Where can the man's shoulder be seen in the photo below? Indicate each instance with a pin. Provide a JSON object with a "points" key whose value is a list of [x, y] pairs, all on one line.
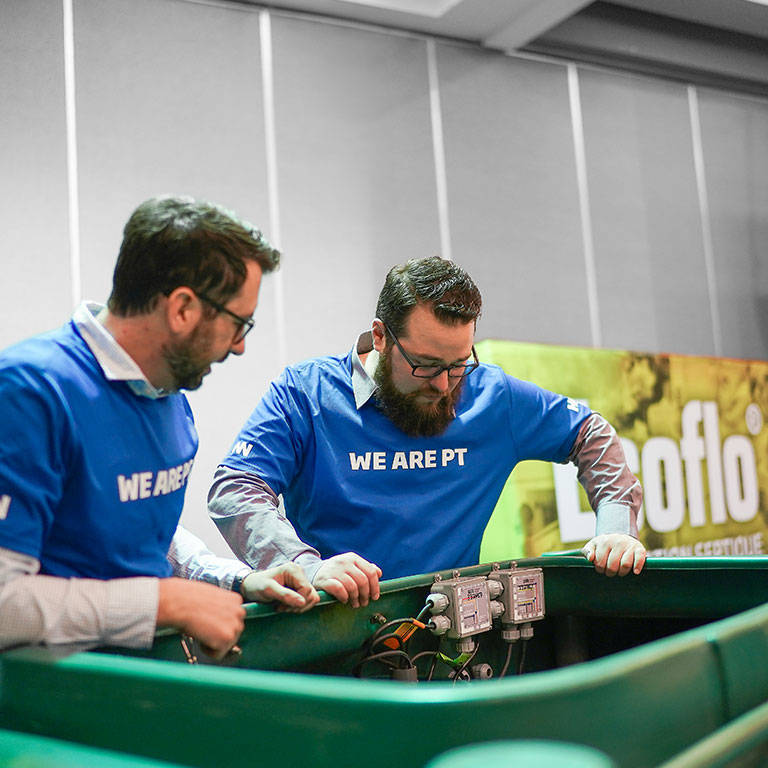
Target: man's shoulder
{"points": [[489, 375], [329, 369], [490, 382], [56, 353]]}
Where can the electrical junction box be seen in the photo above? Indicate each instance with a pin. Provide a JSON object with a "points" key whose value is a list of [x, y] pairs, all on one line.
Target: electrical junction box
{"points": [[468, 608], [522, 594]]}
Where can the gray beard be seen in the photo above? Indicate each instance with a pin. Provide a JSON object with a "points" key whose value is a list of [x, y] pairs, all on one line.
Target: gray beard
{"points": [[411, 417]]}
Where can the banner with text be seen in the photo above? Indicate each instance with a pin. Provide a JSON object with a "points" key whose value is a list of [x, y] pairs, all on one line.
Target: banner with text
{"points": [[693, 432]]}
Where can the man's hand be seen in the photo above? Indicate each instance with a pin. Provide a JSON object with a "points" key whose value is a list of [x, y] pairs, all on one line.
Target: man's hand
{"points": [[349, 578], [615, 553], [213, 616], [286, 584]]}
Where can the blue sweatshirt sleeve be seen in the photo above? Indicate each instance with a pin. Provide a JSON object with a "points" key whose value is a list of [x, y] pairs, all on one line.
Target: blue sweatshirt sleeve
{"points": [[544, 424], [271, 443]]}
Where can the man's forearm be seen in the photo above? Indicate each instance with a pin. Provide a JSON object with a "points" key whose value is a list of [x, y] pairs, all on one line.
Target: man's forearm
{"points": [[613, 491], [247, 513], [191, 559], [50, 610]]}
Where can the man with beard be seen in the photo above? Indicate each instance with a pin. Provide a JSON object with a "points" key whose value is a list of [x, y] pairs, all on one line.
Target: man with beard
{"points": [[97, 442], [391, 459]]}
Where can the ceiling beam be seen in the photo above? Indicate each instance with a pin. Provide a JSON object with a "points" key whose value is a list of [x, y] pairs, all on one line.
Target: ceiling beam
{"points": [[531, 19]]}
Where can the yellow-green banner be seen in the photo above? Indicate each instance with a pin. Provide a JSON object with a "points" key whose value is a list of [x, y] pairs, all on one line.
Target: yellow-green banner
{"points": [[692, 429]]}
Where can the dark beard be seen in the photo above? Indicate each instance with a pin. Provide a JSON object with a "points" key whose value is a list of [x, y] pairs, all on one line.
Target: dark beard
{"points": [[404, 412], [187, 360]]}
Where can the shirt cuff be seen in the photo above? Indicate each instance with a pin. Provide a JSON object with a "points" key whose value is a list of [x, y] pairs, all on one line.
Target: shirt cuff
{"points": [[235, 583], [614, 517], [310, 563]]}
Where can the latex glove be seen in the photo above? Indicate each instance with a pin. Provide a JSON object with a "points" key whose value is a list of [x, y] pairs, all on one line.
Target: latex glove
{"points": [[349, 578], [286, 584], [615, 554]]}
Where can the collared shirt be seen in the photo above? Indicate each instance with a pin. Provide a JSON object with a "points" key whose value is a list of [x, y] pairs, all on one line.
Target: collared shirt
{"points": [[363, 384], [353, 481], [243, 500], [116, 363], [103, 609]]}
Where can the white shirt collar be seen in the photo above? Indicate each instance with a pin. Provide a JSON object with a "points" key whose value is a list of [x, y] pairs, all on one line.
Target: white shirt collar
{"points": [[363, 384], [115, 362]]}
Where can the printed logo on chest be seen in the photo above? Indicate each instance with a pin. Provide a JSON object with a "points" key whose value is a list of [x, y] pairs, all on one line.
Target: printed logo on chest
{"points": [[430, 459], [143, 485]]}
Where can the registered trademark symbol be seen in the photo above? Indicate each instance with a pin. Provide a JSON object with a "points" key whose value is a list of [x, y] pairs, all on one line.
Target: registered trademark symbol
{"points": [[754, 418]]}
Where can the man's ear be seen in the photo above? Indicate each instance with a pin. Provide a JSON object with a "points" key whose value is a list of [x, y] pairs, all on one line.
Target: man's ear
{"points": [[379, 333], [183, 311]]}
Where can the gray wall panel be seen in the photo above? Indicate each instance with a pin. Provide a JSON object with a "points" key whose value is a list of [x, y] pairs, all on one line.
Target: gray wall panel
{"points": [[356, 176], [512, 193], [735, 142], [169, 101], [35, 292], [649, 255]]}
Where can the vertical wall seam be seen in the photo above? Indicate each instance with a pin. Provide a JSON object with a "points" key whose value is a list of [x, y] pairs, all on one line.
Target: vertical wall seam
{"points": [[438, 151], [73, 193], [588, 245], [706, 228], [270, 140]]}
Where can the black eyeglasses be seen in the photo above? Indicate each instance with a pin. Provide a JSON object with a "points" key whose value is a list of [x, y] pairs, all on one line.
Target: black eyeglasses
{"points": [[244, 324], [431, 371]]}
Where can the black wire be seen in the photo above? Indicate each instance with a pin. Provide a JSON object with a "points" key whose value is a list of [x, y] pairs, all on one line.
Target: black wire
{"points": [[507, 659], [379, 657], [379, 636], [422, 614], [461, 669], [521, 662], [421, 654], [432, 666], [374, 637], [384, 638]]}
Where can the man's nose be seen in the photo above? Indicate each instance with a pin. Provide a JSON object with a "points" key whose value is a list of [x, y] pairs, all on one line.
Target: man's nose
{"points": [[237, 347], [441, 382]]}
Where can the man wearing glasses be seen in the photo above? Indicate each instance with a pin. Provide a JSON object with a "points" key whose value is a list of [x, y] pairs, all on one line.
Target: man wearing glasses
{"points": [[391, 459], [97, 442]]}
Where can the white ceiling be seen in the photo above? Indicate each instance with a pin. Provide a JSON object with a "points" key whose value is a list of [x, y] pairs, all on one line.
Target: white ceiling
{"points": [[511, 24]]}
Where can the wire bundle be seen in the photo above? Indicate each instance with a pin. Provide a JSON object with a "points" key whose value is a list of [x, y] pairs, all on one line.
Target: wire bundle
{"points": [[395, 655]]}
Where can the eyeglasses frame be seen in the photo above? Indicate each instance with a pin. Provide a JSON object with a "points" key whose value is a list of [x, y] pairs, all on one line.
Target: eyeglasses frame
{"points": [[447, 368], [246, 323]]}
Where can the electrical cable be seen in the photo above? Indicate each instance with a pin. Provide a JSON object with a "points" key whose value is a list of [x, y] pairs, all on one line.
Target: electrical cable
{"points": [[422, 614], [507, 659], [422, 654], [466, 663], [383, 638], [381, 635], [387, 624], [432, 666], [521, 662], [424, 611], [379, 657]]}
